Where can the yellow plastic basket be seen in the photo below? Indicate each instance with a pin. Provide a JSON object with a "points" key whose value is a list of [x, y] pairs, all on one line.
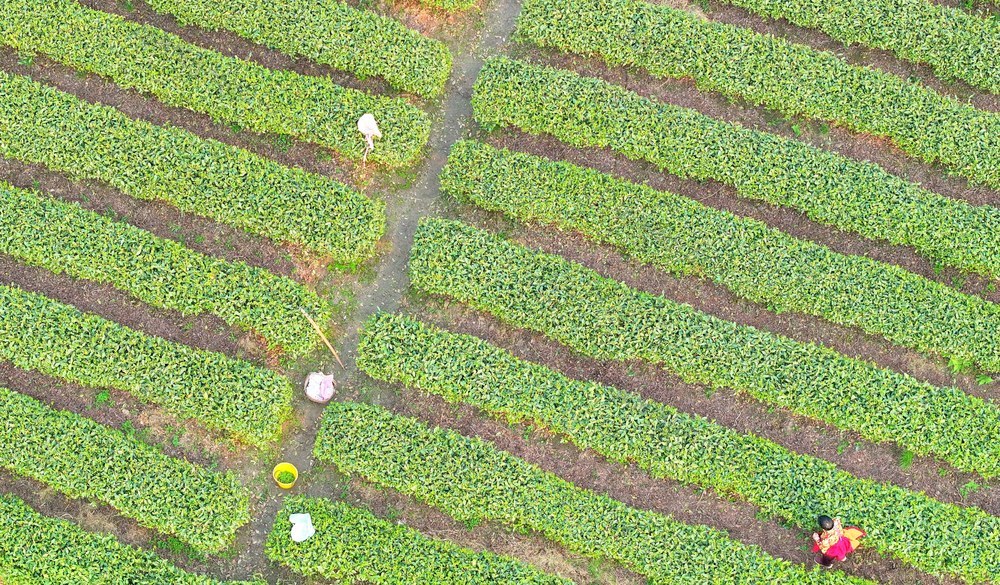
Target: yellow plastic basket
{"points": [[283, 467]]}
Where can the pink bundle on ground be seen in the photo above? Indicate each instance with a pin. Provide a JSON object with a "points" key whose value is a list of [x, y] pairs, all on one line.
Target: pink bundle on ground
{"points": [[319, 387]]}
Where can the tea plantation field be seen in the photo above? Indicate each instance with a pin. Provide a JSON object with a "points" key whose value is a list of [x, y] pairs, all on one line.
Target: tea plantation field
{"points": [[617, 291]]}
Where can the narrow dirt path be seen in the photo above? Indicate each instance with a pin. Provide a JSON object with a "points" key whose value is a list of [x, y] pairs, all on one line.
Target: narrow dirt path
{"points": [[450, 122]]}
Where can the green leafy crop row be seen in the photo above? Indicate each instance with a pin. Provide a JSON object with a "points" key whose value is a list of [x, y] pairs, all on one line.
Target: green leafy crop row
{"points": [[83, 459], [65, 238], [352, 544], [955, 43], [232, 395], [670, 444], [832, 189], [328, 32], [230, 90], [762, 69], [753, 260], [39, 124], [605, 319], [472, 481], [41, 549]]}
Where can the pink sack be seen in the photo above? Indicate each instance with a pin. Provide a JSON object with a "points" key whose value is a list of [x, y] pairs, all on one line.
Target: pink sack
{"points": [[319, 387]]}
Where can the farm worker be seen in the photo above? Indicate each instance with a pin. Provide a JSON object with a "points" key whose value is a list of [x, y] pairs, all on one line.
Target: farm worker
{"points": [[835, 542], [368, 128]]}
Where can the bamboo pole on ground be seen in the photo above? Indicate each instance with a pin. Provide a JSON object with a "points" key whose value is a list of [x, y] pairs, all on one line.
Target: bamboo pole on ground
{"points": [[323, 337]]}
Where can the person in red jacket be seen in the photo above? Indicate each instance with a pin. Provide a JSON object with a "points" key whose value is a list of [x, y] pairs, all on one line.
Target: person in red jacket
{"points": [[835, 542]]}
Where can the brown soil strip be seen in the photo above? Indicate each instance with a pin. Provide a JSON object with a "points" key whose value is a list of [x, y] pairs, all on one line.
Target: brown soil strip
{"points": [[94, 89], [96, 517], [719, 196], [633, 487], [981, 8], [706, 296], [201, 331], [161, 219], [858, 146], [496, 538], [855, 54], [234, 45], [89, 516], [846, 449], [180, 439]]}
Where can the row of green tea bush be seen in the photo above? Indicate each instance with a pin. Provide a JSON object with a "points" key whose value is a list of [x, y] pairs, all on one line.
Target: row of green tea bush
{"points": [[829, 188], [163, 273], [83, 459], [247, 401], [759, 263], [329, 32], [42, 549], [956, 44], [794, 79], [230, 90], [606, 319], [352, 544], [40, 124], [671, 444], [473, 481]]}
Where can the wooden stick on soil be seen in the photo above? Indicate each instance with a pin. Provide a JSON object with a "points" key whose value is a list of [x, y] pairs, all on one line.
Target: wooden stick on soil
{"points": [[323, 337]]}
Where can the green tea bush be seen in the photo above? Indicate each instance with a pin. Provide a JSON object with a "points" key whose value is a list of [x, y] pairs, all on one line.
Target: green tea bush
{"points": [[832, 189], [956, 44], [161, 272], [352, 544], [327, 32], [746, 256], [671, 444], [230, 90], [40, 124], [83, 459], [763, 69], [605, 319], [231, 395], [41, 549], [473, 481]]}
